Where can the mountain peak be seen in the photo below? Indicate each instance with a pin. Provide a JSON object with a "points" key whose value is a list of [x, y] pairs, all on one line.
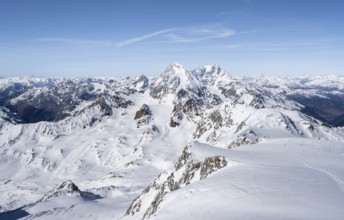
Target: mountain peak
{"points": [[212, 75], [174, 78], [67, 188], [175, 70], [175, 66]]}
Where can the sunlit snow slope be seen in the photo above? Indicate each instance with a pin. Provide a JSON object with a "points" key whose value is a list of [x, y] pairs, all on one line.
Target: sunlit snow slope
{"points": [[194, 144]]}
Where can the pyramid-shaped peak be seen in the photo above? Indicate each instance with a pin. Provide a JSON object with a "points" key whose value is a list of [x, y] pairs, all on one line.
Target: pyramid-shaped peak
{"points": [[173, 79], [175, 66], [69, 186], [176, 70]]}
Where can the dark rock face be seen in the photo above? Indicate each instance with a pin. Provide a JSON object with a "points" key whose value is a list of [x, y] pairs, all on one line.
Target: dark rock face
{"points": [[144, 111], [173, 123], [214, 100], [245, 138], [143, 115], [188, 108], [68, 188], [143, 81], [212, 121], [216, 118], [258, 101], [229, 92], [104, 105], [170, 181], [119, 102]]}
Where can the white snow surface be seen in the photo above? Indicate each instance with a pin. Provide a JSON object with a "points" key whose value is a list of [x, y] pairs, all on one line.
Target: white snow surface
{"points": [[281, 164], [287, 178]]}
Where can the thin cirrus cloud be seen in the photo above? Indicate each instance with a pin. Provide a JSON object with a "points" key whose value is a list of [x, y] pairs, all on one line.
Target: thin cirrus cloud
{"points": [[144, 37], [180, 35], [47, 25], [170, 35]]}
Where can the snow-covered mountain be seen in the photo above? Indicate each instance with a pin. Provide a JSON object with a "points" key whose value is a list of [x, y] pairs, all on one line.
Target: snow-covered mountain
{"points": [[321, 96], [164, 147]]}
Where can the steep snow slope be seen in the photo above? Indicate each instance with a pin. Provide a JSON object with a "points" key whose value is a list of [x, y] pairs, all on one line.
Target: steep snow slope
{"points": [[109, 139]]}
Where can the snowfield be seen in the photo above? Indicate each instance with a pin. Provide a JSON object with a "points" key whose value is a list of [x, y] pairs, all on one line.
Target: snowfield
{"points": [[197, 144], [280, 179]]}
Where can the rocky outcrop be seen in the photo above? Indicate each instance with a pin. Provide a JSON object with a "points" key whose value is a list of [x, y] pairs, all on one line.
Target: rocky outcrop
{"points": [[103, 106], [143, 115], [186, 171], [68, 188], [189, 108], [245, 138], [144, 111], [212, 121], [141, 83]]}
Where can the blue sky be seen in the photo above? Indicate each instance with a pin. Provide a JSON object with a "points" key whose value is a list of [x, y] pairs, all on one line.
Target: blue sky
{"points": [[132, 37]]}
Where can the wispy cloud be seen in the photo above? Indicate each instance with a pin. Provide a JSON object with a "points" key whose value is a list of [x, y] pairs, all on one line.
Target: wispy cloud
{"points": [[47, 25], [181, 35], [164, 36], [144, 37], [233, 46]]}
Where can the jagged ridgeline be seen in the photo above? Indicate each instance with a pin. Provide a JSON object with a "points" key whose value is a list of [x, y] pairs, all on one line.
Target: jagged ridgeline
{"points": [[185, 171], [207, 97], [116, 146]]}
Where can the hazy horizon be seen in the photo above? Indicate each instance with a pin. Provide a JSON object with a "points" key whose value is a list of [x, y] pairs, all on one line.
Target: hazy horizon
{"points": [[153, 75]]}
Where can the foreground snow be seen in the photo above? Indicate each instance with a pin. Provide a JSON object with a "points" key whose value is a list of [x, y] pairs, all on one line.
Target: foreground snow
{"points": [[280, 179], [291, 178]]}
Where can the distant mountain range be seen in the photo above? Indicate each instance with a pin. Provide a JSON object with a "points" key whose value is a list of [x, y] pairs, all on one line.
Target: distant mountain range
{"points": [[138, 147]]}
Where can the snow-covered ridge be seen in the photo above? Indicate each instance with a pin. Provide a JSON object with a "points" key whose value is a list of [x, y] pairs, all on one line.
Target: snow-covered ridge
{"points": [[322, 96], [326, 82], [186, 171], [112, 138]]}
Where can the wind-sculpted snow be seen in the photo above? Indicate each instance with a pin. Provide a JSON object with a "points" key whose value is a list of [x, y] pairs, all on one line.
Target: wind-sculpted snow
{"points": [[185, 172], [112, 138]]}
